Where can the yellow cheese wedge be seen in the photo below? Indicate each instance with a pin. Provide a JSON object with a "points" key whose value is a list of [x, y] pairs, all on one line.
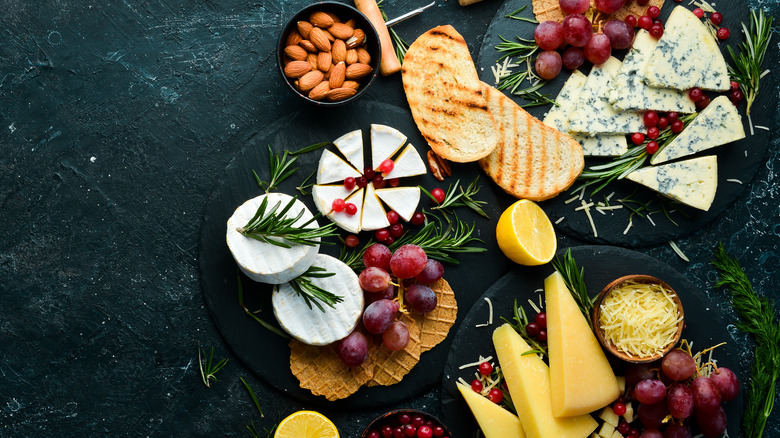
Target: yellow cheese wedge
{"points": [[528, 379], [495, 421], [581, 379]]}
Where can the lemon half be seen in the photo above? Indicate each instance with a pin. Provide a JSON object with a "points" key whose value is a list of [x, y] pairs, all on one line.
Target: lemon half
{"points": [[525, 234], [306, 424]]}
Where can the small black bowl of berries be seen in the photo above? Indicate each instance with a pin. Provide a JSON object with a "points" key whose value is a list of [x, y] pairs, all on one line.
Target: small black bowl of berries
{"points": [[406, 423]]}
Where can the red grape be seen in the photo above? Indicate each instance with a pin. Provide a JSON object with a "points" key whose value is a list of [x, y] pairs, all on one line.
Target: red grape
{"points": [[620, 34], [651, 433], [396, 337], [675, 430], [418, 218], [636, 373], [377, 255], [652, 416], [351, 241], [574, 6], [549, 35], [631, 21], [374, 279], [598, 49], [677, 364], [649, 391], [386, 166], [396, 230], [379, 315], [433, 271], [712, 425], [408, 261], [680, 401], [577, 30], [387, 294], [420, 298], [609, 6], [706, 396], [353, 350], [438, 194], [727, 383], [548, 64], [573, 58]]}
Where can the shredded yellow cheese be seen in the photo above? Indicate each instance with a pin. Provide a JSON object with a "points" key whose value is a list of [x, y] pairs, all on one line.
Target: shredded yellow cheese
{"points": [[640, 319]]}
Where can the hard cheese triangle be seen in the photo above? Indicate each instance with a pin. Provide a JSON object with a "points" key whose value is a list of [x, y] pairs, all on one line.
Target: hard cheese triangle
{"points": [[581, 379], [528, 379], [686, 56], [693, 182], [495, 421]]}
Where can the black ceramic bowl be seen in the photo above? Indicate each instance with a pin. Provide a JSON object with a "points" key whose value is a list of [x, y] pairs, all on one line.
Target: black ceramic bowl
{"points": [[344, 12], [394, 420]]}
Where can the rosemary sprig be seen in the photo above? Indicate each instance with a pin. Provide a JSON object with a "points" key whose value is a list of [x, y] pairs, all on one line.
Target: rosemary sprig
{"points": [[574, 278], [747, 65], [519, 321], [353, 257], [252, 314], [305, 187], [400, 45], [523, 51], [275, 228], [311, 148], [760, 320], [281, 169], [313, 293], [440, 242], [514, 16], [253, 396], [456, 196], [209, 369]]}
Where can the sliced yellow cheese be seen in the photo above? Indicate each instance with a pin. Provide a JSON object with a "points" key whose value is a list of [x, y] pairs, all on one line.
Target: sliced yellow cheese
{"points": [[581, 379], [528, 379], [495, 421]]}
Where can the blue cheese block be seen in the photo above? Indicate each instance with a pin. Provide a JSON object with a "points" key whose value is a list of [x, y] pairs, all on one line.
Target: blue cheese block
{"points": [[630, 93], [593, 114], [692, 182], [686, 56], [602, 145], [311, 325], [718, 124], [263, 261]]}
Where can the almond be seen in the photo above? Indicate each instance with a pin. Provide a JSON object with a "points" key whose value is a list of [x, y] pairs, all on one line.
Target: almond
{"points": [[296, 52], [311, 58], [351, 84], [337, 75], [363, 56], [350, 23], [328, 35], [318, 38], [341, 31], [296, 69], [310, 80], [320, 91], [321, 19], [304, 28], [324, 61], [293, 38], [335, 18], [339, 51], [351, 56], [340, 94], [308, 46], [358, 70], [357, 39]]}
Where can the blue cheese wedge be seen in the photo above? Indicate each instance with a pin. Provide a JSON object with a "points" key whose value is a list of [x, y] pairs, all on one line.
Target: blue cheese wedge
{"points": [[263, 261], [602, 145], [325, 195], [402, 200], [332, 168], [312, 326], [593, 114], [408, 163], [385, 142], [686, 56], [351, 145], [630, 93], [374, 215], [692, 182], [718, 124]]}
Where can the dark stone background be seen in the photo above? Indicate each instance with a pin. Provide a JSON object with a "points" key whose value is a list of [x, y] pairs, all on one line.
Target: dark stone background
{"points": [[116, 118]]}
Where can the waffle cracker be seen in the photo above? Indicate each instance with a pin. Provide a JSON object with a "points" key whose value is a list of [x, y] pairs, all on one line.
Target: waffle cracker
{"points": [[435, 325], [320, 370], [392, 366], [545, 10]]}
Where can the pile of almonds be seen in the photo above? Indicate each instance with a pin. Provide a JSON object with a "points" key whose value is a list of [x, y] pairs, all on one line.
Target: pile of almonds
{"points": [[326, 58]]}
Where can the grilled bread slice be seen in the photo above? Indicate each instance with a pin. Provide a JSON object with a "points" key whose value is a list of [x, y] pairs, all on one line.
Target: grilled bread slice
{"points": [[532, 161], [446, 97]]}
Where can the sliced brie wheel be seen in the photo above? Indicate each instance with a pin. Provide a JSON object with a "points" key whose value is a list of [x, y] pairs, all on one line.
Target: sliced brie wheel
{"points": [[385, 142], [351, 145], [325, 195], [374, 215], [693, 182], [408, 163], [403, 200], [332, 168], [262, 261], [311, 325]]}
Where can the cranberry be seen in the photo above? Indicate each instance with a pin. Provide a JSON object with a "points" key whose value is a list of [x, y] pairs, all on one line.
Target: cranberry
{"points": [[663, 123], [389, 241], [495, 395], [542, 335], [677, 126], [417, 218], [351, 241], [387, 432], [438, 431], [637, 138], [349, 183], [698, 12], [734, 85], [398, 432], [379, 181], [657, 30], [418, 421], [630, 20], [361, 181], [393, 217], [672, 116], [369, 173], [396, 230], [532, 329], [645, 22], [404, 418], [703, 102], [695, 94], [619, 409], [476, 385], [394, 182], [652, 147], [351, 209], [650, 118], [425, 432], [410, 430], [716, 18], [382, 235], [623, 426], [653, 12], [387, 166], [736, 96], [723, 33], [485, 368], [338, 205], [653, 133], [373, 434], [438, 194], [633, 433], [541, 320]]}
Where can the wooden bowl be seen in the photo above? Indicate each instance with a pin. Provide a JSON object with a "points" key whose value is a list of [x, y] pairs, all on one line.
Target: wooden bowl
{"points": [[391, 418], [609, 346]]}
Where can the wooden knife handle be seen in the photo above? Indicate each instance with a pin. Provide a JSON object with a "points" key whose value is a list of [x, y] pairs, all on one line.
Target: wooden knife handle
{"points": [[388, 64]]}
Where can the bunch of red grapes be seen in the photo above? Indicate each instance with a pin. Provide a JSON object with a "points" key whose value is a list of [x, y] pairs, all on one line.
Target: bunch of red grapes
{"points": [[406, 271]]}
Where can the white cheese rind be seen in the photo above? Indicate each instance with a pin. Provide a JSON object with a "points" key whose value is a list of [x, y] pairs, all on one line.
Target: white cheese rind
{"points": [[374, 215], [311, 325], [630, 93], [686, 56], [593, 114], [348, 222], [385, 142], [262, 261], [692, 182], [718, 124], [351, 145], [325, 195], [402, 200], [408, 163], [332, 168]]}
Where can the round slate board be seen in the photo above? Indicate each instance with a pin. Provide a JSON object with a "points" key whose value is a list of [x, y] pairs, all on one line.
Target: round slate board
{"points": [[737, 161], [267, 354], [602, 264]]}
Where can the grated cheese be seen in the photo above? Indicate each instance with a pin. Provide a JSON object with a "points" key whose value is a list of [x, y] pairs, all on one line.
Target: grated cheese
{"points": [[677, 250], [630, 223], [476, 364], [640, 319], [765, 128], [490, 314], [560, 219], [734, 180], [750, 123], [586, 207]]}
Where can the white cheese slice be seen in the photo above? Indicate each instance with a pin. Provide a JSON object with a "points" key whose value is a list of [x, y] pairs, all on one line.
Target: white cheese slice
{"points": [[263, 261], [593, 114], [630, 93], [402, 200], [602, 145], [408, 163], [325, 195], [351, 145], [374, 215], [692, 182], [385, 142], [311, 325], [346, 221], [686, 56], [332, 168], [718, 124]]}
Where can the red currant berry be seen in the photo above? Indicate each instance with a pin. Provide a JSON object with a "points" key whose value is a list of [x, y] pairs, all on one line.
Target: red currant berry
{"points": [[495, 395], [338, 205], [418, 421], [541, 320], [349, 183], [637, 138], [724, 33], [542, 336], [702, 103], [351, 209], [656, 30], [630, 20], [396, 230], [652, 147], [438, 194], [398, 432], [677, 126], [382, 235], [695, 94], [734, 85], [361, 182], [387, 432], [652, 133], [424, 432], [387, 166], [619, 409], [417, 218], [351, 241], [736, 96], [438, 431], [650, 118], [394, 182], [373, 434], [379, 181], [393, 217], [485, 368], [476, 385], [663, 123], [623, 426], [404, 418], [410, 430], [653, 12], [698, 12], [369, 173], [716, 18], [532, 329], [672, 116], [644, 22]]}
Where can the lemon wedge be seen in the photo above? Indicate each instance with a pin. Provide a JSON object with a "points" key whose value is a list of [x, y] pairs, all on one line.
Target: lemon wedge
{"points": [[306, 424], [525, 234]]}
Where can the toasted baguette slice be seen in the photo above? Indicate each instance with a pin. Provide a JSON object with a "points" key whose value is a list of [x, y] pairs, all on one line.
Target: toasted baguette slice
{"points": [[445, 96], [532, 160]]}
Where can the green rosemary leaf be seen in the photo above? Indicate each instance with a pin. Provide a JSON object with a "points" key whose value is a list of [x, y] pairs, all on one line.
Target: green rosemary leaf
{"points": [[251, 314], [312, 148], [305, 187], [747, 64], [456, 196], [253, 396], [441, 241], [281, 169], [209, 369], [275, 228], [312, 293]]}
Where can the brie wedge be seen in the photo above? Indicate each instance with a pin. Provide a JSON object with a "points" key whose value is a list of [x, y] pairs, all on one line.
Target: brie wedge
{"points": [[325, 195], [351, 146], [344, 220], [374, 215], [332, 168], [408, 163], [385, 142], [692, 182], [403, 200]]}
